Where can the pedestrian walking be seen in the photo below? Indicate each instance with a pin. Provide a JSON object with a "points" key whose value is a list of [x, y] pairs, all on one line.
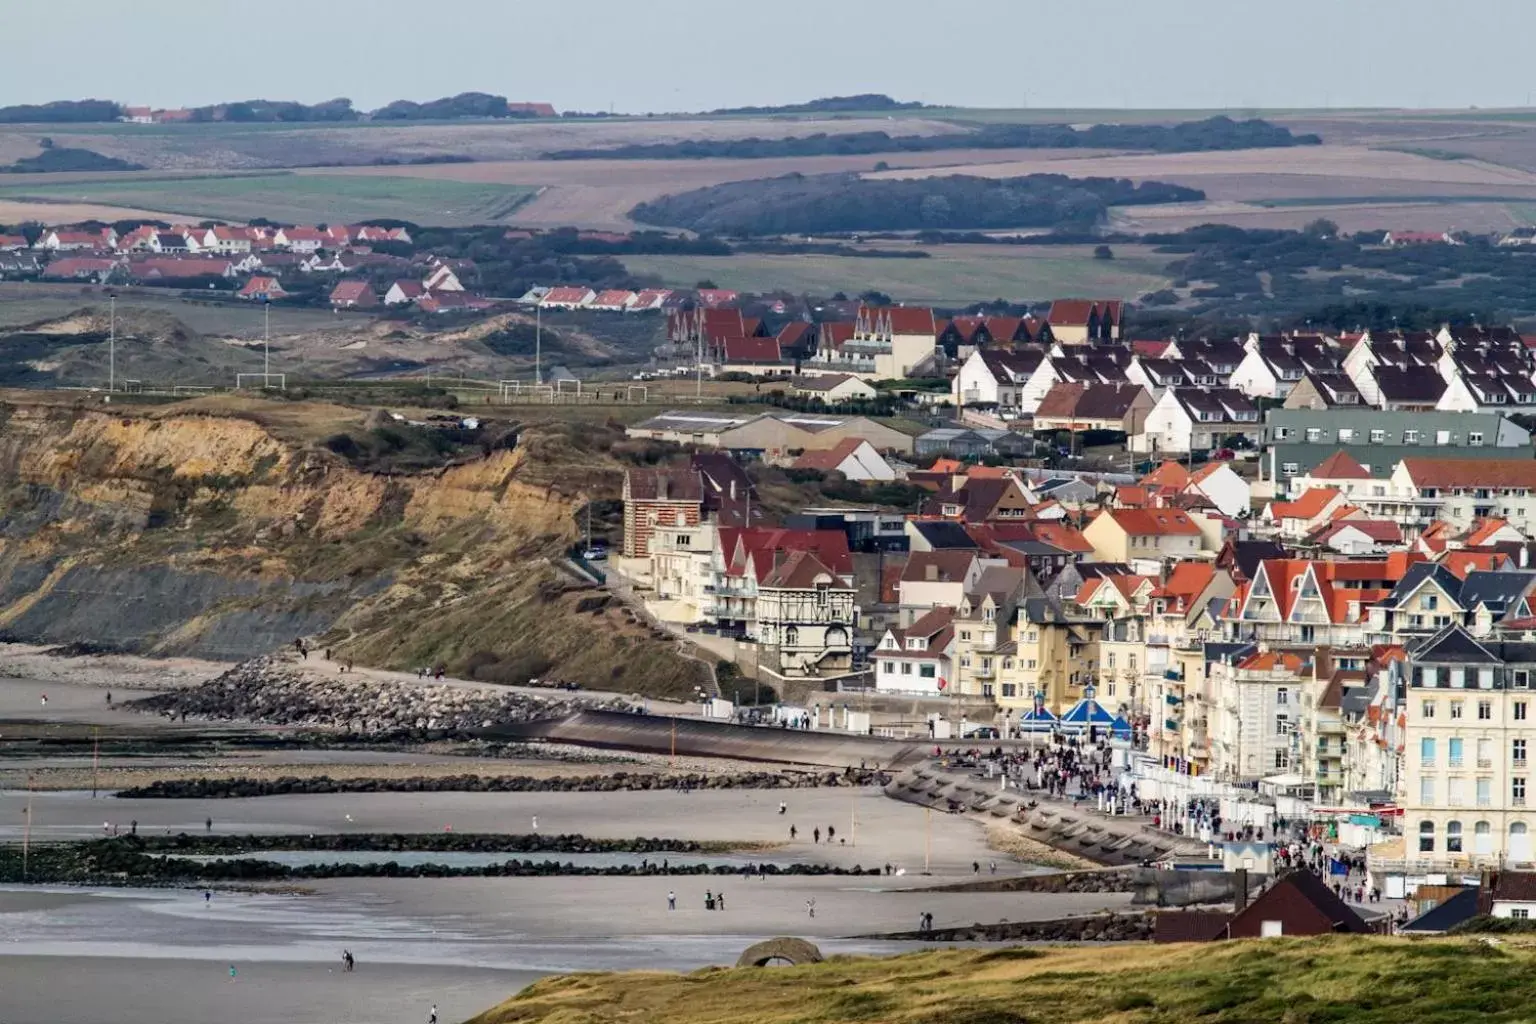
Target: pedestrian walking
{"points": [[783, 807], [432, 1015], [535, 822], [791, 831], [831, 831], [671, 901], [992, 867], [810, 907], [208, 825], [816, 834]]}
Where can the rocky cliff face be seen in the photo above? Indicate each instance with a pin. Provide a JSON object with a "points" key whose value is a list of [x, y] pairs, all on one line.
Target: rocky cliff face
{"points": [[223, 530]]}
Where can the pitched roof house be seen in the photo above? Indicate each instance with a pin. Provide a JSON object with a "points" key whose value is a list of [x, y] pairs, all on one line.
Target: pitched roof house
{"points": [[353, 295]]}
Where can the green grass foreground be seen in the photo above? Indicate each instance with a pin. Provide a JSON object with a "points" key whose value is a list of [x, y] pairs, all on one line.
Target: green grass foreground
{"points": [[1340, 980]]}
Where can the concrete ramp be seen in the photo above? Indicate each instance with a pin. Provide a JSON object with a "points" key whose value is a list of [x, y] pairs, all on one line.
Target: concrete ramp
{"points": [[691, 737]]}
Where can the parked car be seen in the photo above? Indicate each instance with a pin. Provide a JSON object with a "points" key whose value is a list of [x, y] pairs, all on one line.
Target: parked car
{"points": [[595, 554], [1224, 455]]}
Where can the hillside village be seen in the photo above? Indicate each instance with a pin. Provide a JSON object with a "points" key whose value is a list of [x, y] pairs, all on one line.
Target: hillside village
{"points": [[1317, 579]]}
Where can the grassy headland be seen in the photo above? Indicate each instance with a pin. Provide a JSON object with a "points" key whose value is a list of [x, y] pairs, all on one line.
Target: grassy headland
{"points": [[1341, 980]]}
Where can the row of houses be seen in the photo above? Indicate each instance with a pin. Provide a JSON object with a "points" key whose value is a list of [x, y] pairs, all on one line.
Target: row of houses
{"points": [[220, 239]]}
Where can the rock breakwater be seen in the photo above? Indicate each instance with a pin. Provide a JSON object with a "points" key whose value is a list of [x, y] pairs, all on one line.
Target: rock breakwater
{"points": [[271, 691], [202, 789]]}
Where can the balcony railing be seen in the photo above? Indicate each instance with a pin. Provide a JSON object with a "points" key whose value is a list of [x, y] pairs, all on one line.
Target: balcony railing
{"points": [[1519, 762], [1485, 762], [1517, 801], [1455, 762]]}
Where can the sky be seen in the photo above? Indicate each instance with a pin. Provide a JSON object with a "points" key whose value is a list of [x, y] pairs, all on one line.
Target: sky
{"points": [[641, 56]]}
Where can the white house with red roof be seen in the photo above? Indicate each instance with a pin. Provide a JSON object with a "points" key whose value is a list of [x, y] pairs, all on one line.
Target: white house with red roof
{"points": [[404, 292], [353, 295], [918, 659], [613, 300], [568, 297], [227, 240], [1295, 519], [65, 240], [649, 299], [299, 239], [263, 289], [1218, 481], [853, 457]]}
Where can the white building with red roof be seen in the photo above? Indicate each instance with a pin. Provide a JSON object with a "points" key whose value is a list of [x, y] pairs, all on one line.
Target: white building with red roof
{"points": [[65, 240], [263, 289], [918, 659], [568, 297], [299, 239], [353, 295], [404, 292], [614, 300]]}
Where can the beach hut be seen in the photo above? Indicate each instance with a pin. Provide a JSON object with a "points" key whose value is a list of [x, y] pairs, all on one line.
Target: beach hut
{"points": [[1037, 720], [1088, 713]]}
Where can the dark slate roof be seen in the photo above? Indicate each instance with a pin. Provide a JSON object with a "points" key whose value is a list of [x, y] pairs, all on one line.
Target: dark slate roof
{"points": [[1247, 554], [1357, 698], [1221, 652], [943, 535], [1498, 590], [1416, 575], [1454, 644], [1404, 385], [1445, 916]]}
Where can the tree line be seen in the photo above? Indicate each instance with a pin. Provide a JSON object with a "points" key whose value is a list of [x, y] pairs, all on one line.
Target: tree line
{"points": [[810, 204], [1215, 133]]}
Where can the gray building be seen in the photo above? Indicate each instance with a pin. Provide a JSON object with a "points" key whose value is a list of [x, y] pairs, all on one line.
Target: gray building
{"points": [[972, 442], [1297, 440]]}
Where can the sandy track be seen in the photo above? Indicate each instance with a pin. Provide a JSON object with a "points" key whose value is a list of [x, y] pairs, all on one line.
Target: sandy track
{"points": [[14, 212]]}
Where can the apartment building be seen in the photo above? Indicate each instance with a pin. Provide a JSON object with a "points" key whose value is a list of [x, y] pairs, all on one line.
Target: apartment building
{"points": [[1295, 602], [805, 617], [1469, 735], [918, 659]]}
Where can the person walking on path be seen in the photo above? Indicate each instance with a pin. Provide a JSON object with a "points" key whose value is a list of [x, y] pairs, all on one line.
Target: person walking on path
{"points": [[816, 834], [432, 1015], [791, 831], [810, 907], [208, 825], [782, 805], [671, 901]]}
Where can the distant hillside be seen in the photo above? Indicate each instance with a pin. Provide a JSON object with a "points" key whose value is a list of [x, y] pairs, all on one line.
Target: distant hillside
{"points": [[1186, 137], [868, 102], [801, 204]]}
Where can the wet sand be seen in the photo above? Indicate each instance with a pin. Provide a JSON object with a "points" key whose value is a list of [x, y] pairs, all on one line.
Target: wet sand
{"points": [[50, 990]]}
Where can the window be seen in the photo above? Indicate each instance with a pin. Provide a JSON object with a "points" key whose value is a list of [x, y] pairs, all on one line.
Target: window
{"points": [[1431, 602], [927, 671], [1033, 636], [1475, 438], [1314, 435], [1282, 759], [1520, 710], [683, 540], [1031, 664], [1453, 837], [1484, 678], [965, 634], [1281, 433], [1282, 696], [1427, 709], [1426, 837], [1484, 792], [1517, 752], [1111, 659], [1427, 791], [1457, 706], [965, 661], [1520, 913], [1289, 468], [1282, 724], [1522, 682], [1453, 751], [906, 668], [1485, 753], [888, 667], [1346, 435], [1378, 436], [1429, 676], [1427, 750], [1456, 793], [1484, 711], [1517, 790], [1442, 438], [1010, 690], [1410, 437]]}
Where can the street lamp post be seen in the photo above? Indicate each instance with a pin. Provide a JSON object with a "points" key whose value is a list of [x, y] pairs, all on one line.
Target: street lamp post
{"points": [[266, 343], [112, 342]]}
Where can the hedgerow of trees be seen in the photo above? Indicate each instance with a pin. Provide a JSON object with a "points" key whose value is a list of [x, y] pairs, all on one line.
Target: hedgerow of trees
{"points": [[798, 203]]}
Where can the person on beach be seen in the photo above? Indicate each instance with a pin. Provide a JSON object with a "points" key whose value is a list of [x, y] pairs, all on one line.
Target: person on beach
{"points": [[831, 831], [671, 900], [109, 698], [782, 805], [535, 822], [810, 907], [347, 963], [432, 1015], [208, 825], [207, 896], [791, 831], [720, 901], [231, 972], [816, 834]]}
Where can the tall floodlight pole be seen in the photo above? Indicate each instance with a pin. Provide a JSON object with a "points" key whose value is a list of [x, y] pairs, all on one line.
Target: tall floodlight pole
{"points": [[538, 344], [112, 342], [266, 344]]}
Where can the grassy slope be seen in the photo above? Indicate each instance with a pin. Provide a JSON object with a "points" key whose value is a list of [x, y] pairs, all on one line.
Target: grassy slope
{"points": [[955, 273], [1295, 981], [290, 197]]}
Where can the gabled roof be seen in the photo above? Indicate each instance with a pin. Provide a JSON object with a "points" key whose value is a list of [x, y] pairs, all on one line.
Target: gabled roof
{"points": [[1077, 312], [1409, 385], [350, 291], [941, 534], [751, 350], [801, 570], [828, 459], [1301, 886], [1453, 644], [1339, 466], [1169, 474], [1481, 473], [1066, 400], [1309, 506], [950, 566], [1161, 522], [1444, 916]]}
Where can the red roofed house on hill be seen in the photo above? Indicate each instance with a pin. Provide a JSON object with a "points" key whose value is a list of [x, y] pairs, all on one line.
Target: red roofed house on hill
{"points": [[896, 341], [404, 292], [532, 109], [353, 295], [1298, 601], [1086, 321], [805, 617], [263, 289], [917, 659], [1120, 535]]}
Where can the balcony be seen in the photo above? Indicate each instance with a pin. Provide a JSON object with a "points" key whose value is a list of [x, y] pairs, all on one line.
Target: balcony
{"points": [[1455, 763], [1517, 801], [1427, 763]]}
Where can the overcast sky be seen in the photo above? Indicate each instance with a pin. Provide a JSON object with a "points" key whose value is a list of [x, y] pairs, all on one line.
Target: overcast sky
{"points": [[661, 55]]}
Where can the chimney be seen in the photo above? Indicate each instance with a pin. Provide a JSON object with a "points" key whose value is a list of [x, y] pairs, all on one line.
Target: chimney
{"points": [[931, 572], [1239, 890], [663, 486]]}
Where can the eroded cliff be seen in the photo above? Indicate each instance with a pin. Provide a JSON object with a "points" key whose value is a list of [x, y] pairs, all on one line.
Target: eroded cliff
{"points": [[224, 528]]}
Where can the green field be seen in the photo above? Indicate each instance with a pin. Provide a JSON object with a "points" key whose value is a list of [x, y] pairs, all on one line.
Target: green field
{"points": [[954, 274], [289, 197]]}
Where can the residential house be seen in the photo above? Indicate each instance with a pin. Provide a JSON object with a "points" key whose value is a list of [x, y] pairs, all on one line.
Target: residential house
{"points": [[996, 377], [1230, 493], [1081, 407], [1509, 894], [1459, 492], [1433, 595], [451, 302], [1124, 535], [978, 498], [443, 278], [227, 240], [300, 239], [82, 268], [13, 243], [1077, 366], [1400, 238], [1055, 655], [901, 340], [656, 500], [1357, 536], [853, 457], [832, 388], [805, 617], [64, 240], [1294, 601], [1086, 321], [1469, 733], [918, 659], [984, 645], [649, 300], [939, 579], [1324, 390], [262, 289], [404, 292], [1299, 903], [758, 356], [353, 295], [613, 300], [1295, 519], [1188, 420]]}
